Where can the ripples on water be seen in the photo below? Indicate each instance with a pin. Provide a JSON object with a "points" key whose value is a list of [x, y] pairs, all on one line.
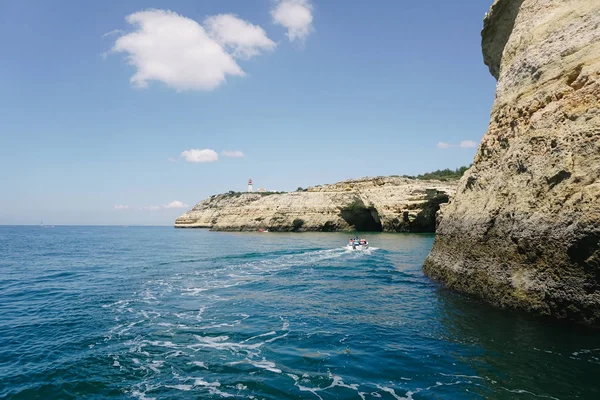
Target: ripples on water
{"points": [[158, 313]]}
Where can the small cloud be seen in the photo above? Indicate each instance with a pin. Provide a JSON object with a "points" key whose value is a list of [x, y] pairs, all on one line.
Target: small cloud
{"points": [[296, 16], [176, 204], [468, 144], [200, 156], [241, 37], [234, 154], [465, 144], [113, 32], [444, 145], [171, 159], [121, 207]]}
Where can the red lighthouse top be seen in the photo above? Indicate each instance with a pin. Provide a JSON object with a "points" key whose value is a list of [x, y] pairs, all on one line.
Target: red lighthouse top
{"points": [[250, 181]]}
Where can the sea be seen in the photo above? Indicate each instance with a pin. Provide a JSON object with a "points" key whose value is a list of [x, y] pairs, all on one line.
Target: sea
{"points": [[164, 313]]}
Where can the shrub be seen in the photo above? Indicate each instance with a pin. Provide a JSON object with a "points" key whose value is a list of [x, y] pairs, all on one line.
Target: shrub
{"points": [[441, 174], [268, 193]]}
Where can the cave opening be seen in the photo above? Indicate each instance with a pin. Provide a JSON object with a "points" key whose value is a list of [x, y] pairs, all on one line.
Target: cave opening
{"points": [[425, 221], [361, 217]]}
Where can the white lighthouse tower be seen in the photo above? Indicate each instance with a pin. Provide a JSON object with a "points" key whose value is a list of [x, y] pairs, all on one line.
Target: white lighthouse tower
{"points": [[250, 185]]}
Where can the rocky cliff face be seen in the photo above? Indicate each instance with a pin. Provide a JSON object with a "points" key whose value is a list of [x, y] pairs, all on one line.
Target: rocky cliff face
{"points": [[523, 229], [387, 204]]}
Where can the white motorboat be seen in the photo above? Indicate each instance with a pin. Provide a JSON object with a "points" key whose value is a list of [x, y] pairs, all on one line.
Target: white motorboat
{"points": [[357, 244]]}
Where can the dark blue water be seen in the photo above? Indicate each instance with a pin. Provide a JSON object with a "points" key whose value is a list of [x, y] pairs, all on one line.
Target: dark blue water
{"points": [[160, 313]]}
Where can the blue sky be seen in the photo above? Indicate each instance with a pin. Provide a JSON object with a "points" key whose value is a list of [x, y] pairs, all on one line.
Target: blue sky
{"points": [[97, 112]]}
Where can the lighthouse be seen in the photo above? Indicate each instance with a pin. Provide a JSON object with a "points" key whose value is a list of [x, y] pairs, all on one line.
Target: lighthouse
{"points": [[250, 185]]}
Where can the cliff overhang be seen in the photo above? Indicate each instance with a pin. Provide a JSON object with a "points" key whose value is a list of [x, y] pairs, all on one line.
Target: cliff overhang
{"points": [[497, 27]]}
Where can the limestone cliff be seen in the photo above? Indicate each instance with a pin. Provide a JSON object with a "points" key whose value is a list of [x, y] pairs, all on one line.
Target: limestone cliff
{"points": [[523, 228], [390, 204]]}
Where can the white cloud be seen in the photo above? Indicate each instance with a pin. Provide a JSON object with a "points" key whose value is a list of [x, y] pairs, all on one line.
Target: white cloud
{"points": [[175, 50], [296, 16], [444, 145], [468, 144], [121, 207], [465, 144], [241, 37], [176, 204], [113, 32], [171, 159], [200, 156], [235, 154]]}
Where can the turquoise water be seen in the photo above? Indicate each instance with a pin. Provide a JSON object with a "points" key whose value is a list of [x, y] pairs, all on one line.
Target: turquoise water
{"points": [[161, 313]]}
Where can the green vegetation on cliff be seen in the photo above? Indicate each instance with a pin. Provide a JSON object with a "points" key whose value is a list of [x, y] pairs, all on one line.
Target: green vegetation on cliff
{"points": [[232, 193], [441, 174]]}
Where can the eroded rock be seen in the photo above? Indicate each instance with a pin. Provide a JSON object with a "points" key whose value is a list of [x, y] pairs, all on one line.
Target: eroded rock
{"points": [[523, 228]]}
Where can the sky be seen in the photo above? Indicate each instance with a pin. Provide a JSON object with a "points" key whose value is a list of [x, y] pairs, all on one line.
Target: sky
{"points": [[131, 112]]}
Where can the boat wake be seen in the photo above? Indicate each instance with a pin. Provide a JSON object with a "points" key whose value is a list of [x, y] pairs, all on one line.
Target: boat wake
{"points": [[176, 326], [367, 251]]}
